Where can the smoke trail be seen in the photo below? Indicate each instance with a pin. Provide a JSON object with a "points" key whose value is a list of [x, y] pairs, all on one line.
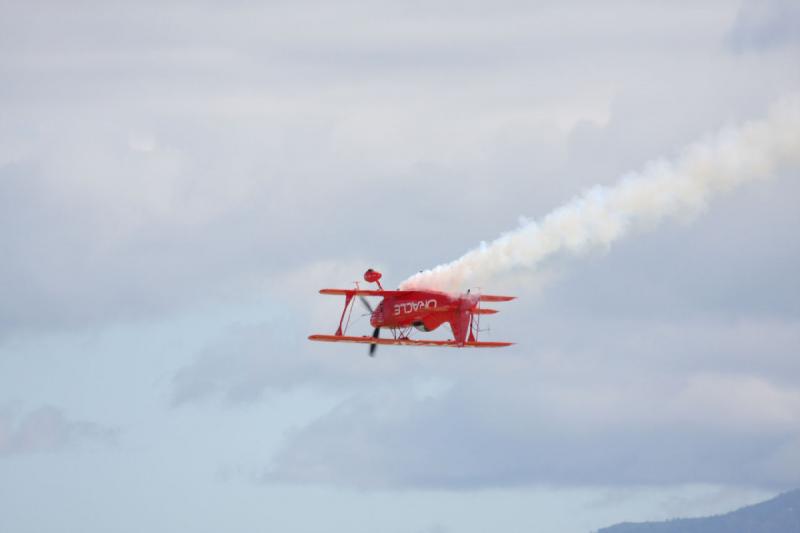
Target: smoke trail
{"points": [[603, 214]]}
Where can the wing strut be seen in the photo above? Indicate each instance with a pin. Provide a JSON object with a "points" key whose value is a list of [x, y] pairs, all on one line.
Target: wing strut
{"points": [[347, 299]]}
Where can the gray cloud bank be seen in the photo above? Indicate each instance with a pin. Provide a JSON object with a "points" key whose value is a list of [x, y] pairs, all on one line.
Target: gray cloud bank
{"points": [[165, 156], [765, 24], [146, 168], [473, 439], [48, 429], [654, 407]]}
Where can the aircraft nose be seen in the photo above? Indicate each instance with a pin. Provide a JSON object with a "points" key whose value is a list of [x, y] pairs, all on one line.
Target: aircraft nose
{"points": [[376, 318]]}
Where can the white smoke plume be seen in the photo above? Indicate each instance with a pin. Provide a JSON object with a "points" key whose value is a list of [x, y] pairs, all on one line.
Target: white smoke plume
{"points": [[603, 214]]}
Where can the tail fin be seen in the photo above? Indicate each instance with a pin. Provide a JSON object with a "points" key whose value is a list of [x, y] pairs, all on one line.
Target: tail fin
{"points": [[461, 326]]}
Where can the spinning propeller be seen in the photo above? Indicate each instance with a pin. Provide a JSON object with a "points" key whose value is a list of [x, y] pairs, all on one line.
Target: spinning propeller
{"points": [[376, 333]]}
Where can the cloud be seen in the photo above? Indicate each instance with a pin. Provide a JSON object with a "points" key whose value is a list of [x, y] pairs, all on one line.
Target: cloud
{"points": [[762, 25], [644, 391], [158, 159], [48, 429], [708, 429], [251, 361], [246, 362], [149, 169]]}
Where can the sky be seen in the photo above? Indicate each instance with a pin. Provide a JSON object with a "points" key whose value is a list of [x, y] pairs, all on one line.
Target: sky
{"points": [[178, 179]]}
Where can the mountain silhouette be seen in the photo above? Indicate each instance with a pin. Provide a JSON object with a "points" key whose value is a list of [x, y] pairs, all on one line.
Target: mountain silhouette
{"points": [[778, 515]]}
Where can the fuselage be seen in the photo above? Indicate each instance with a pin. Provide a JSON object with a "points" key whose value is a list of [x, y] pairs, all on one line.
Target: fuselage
{"points": [[425, 310]]}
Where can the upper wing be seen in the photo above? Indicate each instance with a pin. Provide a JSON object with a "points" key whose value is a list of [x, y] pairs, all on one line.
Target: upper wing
{"points": [[363, 292], [407, 342], [345, 292], [366, 292]]}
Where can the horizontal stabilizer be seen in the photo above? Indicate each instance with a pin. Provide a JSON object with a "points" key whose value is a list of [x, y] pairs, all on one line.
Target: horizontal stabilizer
{"points": [[407, 342], [484, 311], [494, 298]]}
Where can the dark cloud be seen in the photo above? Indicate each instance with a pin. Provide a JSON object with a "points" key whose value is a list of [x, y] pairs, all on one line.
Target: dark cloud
{"points": [[667, 359], [765, 24], [166, 157], [48, 429], [150, 167], [248, 361], [480, 435]]}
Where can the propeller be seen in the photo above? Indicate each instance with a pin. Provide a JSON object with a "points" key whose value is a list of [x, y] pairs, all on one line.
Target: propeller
{"points": [[376, 333], [373, 346]]}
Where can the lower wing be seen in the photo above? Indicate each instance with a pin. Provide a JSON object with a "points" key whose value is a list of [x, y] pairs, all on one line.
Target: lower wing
{"points": [[407, 342]]}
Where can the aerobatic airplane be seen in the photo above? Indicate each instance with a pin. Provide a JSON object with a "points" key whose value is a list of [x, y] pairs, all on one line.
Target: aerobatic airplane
{"points": [[401, 310]]}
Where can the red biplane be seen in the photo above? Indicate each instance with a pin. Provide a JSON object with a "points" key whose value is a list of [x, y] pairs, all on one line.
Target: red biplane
{"points": [[399, 311]]}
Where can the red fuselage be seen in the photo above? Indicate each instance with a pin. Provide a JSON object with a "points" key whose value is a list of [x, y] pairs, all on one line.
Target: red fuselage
{"points": [[426, 311]]}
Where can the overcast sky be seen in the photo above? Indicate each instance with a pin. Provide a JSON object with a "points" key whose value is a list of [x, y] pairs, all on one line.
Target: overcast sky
{"points": [[178, 179]]}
